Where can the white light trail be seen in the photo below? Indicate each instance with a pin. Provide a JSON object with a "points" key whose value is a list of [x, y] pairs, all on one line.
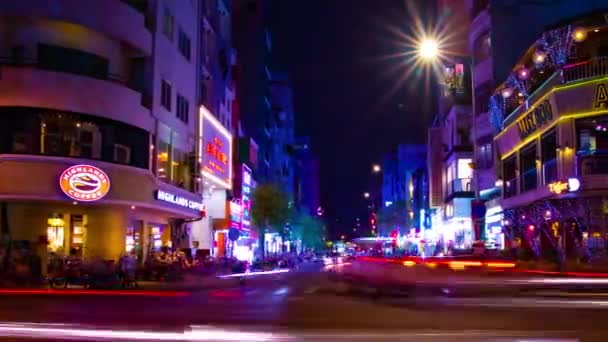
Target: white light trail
{"points": [[194, 333], [249, 274]]}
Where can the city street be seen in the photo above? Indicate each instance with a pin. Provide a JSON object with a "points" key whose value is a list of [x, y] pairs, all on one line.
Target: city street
{"points": [[306, 304]]}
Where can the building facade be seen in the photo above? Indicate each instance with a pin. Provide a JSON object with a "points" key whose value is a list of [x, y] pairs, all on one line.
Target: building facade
{"points": [[282, 151], [100, 164], [499, 21], [551, 114]]}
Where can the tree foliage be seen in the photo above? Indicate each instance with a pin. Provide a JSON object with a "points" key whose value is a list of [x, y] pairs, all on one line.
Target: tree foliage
{"points": [[309, 229], [269, 210]]}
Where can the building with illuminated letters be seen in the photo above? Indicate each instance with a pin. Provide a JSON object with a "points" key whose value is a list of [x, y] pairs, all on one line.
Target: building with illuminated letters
{"points": [[552, 117], [99, 125]]}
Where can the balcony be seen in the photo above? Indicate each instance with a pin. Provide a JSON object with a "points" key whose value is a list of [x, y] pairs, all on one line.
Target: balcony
{"points": [[461, 187], [587, 69], [114, 18], [27, 86]]}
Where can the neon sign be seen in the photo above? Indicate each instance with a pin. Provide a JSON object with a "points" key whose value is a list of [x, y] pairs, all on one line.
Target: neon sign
{"points": [[84, 183], [236, 215], [246, 198], [178, 200], [215, 147], [559, 187], [540, 116]]}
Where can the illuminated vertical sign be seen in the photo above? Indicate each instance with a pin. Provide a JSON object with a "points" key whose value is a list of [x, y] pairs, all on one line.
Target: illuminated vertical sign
{"points": [[215, 148], [246, 198]]}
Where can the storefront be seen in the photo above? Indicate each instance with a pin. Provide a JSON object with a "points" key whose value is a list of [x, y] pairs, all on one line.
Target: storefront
{"points": [[99, 209]]}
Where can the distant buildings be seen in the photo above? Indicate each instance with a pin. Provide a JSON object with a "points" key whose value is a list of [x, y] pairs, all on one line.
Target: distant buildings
{"points": [[403, 185], [307, 192]]}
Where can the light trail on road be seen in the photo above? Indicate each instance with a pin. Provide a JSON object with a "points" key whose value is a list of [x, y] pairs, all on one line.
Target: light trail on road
{"points": [[251, 274], [193, 333]]}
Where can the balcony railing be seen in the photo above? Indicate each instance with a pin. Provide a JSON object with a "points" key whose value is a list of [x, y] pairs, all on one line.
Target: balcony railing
{"points": [[33, 63], [549, 171], [586, 69], [594, 67], [510, 187], [460, 185], [596, 164]]}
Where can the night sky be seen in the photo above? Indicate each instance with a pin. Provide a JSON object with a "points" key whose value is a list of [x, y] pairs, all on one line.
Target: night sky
{"points": [[348, 97]]}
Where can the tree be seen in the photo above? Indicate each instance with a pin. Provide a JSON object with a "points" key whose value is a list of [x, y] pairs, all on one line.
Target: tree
{"points": [[310, 230], [269, 211]]}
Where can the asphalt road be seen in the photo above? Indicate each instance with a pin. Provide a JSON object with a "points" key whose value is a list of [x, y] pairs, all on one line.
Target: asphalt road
{"points": [[305, 305]]}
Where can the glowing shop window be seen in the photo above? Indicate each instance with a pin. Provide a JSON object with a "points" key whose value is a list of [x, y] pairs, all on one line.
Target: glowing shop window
{"points": [[464, 168], [55, 232]]}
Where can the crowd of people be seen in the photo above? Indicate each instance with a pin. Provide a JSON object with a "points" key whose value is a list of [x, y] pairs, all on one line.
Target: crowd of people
{"points": [[20, 265]]}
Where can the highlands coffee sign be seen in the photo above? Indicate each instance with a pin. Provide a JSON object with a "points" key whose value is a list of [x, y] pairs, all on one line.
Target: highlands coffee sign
{"points": [[84, 183], [178, 200], [539, 117]]}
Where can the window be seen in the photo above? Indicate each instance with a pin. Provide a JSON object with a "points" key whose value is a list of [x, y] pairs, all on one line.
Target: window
{"points": [[74, 61], [464, 168], [527, 164], [122, 154], [509, 172], [168, 23], [165, 94], [180, 169], [162, 160], [64, 136], [183, 43], [549, 156], [182, 108], [485, 158], [482, 96]]}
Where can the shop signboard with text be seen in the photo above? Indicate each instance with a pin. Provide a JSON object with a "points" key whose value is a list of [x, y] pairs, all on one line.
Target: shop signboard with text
{"points": [[246, 189], [215, 147], [569, 101], [168, 197]]}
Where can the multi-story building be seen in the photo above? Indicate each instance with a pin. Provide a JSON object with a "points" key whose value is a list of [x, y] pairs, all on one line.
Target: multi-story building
{"points": [[253, 42], [499, 21], [393, 186], [223, 171], [282, 150], [551, 113], [450, 150], [402, 189], [307, 192], [99, 124]]}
